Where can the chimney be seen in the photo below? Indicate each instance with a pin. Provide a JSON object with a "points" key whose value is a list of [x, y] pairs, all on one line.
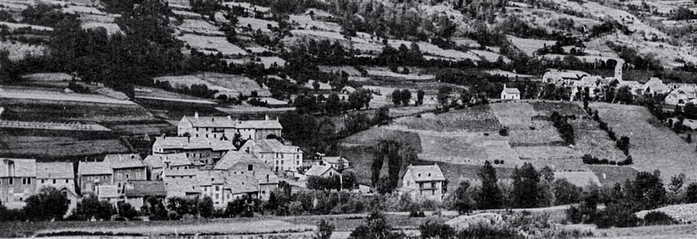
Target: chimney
{"points": [[504, 86], [196, 115]]}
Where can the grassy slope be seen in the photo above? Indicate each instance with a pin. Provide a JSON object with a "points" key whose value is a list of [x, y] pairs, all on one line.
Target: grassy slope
{"points": [[652, 145]]}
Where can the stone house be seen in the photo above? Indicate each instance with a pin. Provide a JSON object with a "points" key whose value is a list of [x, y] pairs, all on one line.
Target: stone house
{"points": [[225, 128], [17, 181], [424, 182], [202, 151], [240, 163], [278, 156]]}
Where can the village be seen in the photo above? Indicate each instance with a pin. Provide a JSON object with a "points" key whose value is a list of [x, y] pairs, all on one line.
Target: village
{"points": [[348, 119]]}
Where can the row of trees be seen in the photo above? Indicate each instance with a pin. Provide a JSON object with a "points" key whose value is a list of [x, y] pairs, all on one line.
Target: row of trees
{"points": [[333, 105], [645, 192], [529, 188], [566, 131]]}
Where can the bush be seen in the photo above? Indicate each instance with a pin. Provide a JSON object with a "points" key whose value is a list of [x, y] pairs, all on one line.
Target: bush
{"points": [[126, 210], [658, 218], [691, 193], [205, 207], [617, 215], [436, 230], [416, 211], [90, 207], [325, 230], [503, 131], [49, 203]]}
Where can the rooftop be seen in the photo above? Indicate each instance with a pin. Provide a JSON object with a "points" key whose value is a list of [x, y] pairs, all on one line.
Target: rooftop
{"points": [[425, 172], [54, 170], [231, 158], [120, 161], [145, 188], [511, 91], [318, 170], [22, 167], [273, 145], [169, 142], [93, 168]]}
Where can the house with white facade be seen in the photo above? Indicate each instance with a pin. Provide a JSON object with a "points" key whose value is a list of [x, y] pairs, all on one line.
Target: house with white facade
{"points": [[278, 156], [17, 181], [201, 151], [225, 128], [510, 93], [424, 182]]}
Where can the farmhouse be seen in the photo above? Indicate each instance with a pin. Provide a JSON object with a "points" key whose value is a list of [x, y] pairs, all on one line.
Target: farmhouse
{"points": [[225, 128], [510, 93], [181, 183], [92, 174], [655, 86], [223, 187], [424, 182], [324, 171], [278, 156], [562, 77], [202, 151], [17, 181], [137, 192], [679, 97], [126, 167], [59, 175]]}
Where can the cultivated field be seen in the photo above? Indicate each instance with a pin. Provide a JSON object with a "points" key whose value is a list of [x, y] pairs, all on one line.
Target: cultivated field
{"points": [[56, 147], [256, 24], [225, 84], [212, 44], [652, 145], [474, 119], [156, 94]]}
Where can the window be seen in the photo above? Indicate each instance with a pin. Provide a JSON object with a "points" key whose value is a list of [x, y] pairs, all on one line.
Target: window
{"points": [[217, 188], [66, 181], [250, 167], [54, 181]]}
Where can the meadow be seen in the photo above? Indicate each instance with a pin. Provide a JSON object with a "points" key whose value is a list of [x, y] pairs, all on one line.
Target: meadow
{"points": [[652, 145]]}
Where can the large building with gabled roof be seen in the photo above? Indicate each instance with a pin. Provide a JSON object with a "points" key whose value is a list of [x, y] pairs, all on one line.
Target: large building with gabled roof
{"points": [[201, 151], [225, 128]]}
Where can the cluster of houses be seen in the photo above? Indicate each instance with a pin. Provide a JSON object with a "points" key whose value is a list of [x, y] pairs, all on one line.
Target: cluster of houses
{"points": [[201, 161], [675, 94]]}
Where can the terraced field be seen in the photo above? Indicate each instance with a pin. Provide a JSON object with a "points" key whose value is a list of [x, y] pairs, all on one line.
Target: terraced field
{"points": [[475, 119]]}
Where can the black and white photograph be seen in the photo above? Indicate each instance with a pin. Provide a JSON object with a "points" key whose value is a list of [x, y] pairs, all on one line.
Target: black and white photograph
{"points": [[348, 119]]}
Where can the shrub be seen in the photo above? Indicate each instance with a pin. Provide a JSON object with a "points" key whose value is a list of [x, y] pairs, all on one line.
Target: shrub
{"points": [[691, 193], [47, 204], [617, 215], [658, 218], [503, 131], [205, 207], [416, 211], [90, 207], [436, 230], [325, 230], [126, 210]]}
